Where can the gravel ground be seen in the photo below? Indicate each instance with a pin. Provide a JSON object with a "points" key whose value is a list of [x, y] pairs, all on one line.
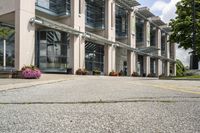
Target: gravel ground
{"points": [[102, 105]]}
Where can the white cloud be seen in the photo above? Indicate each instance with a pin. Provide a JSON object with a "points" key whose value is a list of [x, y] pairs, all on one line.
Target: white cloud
{"points": [[169, 10], [158, 6]]}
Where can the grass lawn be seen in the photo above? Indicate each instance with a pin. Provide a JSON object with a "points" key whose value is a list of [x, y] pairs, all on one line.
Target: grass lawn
{"points": [[189, 77]]}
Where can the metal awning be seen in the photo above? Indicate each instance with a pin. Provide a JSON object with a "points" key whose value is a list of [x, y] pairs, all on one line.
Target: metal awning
{"points": [[167, 29], [157, 21], [150, 49], [54, 25], [145, 12], [95, 37], [128, 4]]}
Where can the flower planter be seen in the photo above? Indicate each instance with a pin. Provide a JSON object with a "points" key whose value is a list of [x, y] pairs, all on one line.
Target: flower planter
{"points": [[17, 74], [30, 72], [96, 73], [5, 74], [113, 74]]}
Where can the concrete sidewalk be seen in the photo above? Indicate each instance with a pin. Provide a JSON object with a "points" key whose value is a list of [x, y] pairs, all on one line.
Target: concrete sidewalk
{"points": [[9, 84]]}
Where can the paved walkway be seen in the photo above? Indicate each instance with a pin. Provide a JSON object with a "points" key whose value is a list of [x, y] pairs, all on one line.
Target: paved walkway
{"points": [[8, 84]]}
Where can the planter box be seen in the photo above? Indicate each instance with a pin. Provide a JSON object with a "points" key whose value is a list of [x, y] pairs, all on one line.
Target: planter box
{"points": [[96, 73], [17, 74], [5, 74]]}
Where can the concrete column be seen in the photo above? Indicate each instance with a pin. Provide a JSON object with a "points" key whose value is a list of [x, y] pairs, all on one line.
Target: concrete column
{"points": [[131, 56], [167, 55], [158, 45], [107, 60], [167, 68], [147, 65], [146, 33], [77, 42], [147, 44], [110, 50], [24, 33], [174, 67]]}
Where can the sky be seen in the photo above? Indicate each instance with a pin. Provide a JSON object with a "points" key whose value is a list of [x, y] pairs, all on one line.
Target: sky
{"points": [[166, 10]]}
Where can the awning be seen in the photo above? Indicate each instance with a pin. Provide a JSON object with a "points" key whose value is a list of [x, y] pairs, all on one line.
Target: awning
{"points": [[97, 38], [128, 4], [157, 21], [54, 25], [145, 12], [150, 49], [167, 29]]}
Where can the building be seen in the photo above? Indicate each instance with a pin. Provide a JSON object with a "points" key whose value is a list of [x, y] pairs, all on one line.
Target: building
{"points": [[107, 35]]}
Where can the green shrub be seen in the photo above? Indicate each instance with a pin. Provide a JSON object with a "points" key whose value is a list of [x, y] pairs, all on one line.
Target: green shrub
{"points": [[180, 69]]}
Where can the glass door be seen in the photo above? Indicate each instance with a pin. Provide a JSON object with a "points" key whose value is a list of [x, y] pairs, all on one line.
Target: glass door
{"points": [[53, 51]]}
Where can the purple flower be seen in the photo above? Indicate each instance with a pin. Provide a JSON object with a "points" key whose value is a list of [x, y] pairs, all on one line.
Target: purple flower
{"points": [[29, 73]]}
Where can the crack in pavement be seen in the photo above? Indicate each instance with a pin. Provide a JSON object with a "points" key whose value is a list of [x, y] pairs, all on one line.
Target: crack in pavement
{"points": [[105, 101]]}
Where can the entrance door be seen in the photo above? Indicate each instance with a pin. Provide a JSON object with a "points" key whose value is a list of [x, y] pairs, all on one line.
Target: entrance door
{"points": [[94, 56], [52, 51]]}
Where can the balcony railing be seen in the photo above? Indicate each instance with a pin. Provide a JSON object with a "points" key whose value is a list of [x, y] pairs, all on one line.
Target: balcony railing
{"points": [[54, 7]]}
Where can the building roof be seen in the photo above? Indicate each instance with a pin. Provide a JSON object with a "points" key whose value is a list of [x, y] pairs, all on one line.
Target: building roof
{"points": [[145, 12], [128, 4], [157, 21]]}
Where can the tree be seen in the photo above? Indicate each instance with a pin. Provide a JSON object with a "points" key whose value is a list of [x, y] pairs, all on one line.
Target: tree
{"points": [[182, 25], [5, 32]]}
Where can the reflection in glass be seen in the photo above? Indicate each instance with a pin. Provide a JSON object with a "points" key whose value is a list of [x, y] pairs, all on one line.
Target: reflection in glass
{"points": [[53, 51], [94, 56]]}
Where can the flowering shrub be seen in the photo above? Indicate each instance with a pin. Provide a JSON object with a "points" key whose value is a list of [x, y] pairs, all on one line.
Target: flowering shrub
{"points": [[135, 74], [113, 73], [31, 72], [81, 72]]}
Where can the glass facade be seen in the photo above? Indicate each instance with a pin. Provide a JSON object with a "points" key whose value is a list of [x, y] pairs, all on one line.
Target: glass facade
{"points": [[139, 30], [95, 13], [140, 65], [152, 36], [10, 49], [163, 44], [152, 66], [94, 56], [55, 7], [121, 22], [52, 50]]}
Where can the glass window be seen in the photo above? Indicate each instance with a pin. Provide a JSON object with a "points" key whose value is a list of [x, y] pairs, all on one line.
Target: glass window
{"points": [[95, 13], [139, 30], [53, 47], [94, 56]]}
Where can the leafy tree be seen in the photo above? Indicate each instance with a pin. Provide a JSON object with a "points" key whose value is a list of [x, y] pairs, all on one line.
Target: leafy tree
{"points": [[182, 25], [5, 32]]}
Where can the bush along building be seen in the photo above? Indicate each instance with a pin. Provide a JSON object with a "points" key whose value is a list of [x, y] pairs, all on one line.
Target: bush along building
{"points": [[63, 36]]}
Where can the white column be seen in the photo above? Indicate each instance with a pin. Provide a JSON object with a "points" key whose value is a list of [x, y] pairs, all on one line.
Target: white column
{"points": [[147, 44], [109, 50], [24, 33], [168, 56], [77, 42], [159, 61], [4, 53], [131, 56]]}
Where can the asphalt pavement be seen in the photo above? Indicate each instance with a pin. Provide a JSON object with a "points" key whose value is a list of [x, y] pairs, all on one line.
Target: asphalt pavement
{"points": [[92, 104]]}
